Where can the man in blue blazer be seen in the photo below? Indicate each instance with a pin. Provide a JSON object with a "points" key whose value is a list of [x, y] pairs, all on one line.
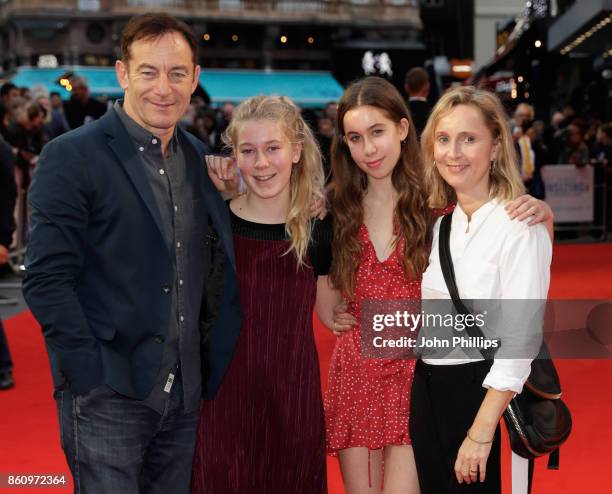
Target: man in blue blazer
{"points": [[130, 272]]}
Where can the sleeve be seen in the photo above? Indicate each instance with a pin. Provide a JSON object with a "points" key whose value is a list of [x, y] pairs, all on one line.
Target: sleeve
{"points": [[60, 200], [525, 276], [320, 246]]}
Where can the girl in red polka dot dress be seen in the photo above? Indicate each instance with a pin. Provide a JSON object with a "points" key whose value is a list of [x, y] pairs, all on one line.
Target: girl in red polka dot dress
{"points": [[381, 243]]}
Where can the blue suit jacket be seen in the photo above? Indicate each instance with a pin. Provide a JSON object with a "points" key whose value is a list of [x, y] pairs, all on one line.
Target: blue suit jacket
{"points": [[97, 264]]}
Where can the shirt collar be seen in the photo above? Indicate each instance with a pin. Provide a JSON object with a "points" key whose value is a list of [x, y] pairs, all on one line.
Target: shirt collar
{"points": [[478, 216], [141, 136]]}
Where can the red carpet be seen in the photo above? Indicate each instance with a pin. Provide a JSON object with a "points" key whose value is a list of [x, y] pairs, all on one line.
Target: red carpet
{"points": [[29, 439]]}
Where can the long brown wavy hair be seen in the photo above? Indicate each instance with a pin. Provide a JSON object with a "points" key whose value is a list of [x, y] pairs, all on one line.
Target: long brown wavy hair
{"points": [[349, 185]]}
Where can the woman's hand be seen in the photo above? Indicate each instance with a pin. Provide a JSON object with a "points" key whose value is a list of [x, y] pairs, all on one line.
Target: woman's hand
{"points": [[223, 173], [471, 463], [538, 211], [343, 320]]}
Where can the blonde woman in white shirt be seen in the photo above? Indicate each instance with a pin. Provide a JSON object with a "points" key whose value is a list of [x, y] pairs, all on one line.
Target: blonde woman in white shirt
{"points": [[457, 404]]}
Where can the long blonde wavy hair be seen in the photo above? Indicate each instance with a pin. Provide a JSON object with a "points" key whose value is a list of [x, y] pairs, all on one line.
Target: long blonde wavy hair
{"points": [[349, 185], [307, 180], [505, 181]]}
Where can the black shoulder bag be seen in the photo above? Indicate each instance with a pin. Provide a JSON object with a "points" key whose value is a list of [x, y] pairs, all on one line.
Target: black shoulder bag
{"points": [[538, 421]]}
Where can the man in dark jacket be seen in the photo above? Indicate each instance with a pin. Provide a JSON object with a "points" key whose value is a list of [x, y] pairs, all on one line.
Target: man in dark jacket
{"points": [[81, 108], [128, 237], [8, 195], [417, 86]]}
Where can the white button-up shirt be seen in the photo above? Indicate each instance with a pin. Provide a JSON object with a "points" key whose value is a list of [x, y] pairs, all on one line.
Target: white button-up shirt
{"points": [[494, 257]]}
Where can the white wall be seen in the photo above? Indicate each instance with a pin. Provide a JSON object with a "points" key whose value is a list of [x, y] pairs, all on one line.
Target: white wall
{"points": [[487, 14]]}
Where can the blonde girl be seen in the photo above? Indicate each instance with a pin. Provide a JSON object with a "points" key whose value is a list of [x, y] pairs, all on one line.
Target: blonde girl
{"points": [[265, 428]]}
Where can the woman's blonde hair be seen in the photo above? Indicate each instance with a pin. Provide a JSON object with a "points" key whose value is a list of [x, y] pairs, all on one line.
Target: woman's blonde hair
{"points": [[504, 180], [307, 176]]}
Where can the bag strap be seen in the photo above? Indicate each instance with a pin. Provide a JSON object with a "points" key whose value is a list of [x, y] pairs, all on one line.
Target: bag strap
{"points": [[448, 271], [553, 460], [446, 261]]}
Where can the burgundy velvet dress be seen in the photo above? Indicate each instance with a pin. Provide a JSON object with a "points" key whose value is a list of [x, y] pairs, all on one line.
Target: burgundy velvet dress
{"points": [[264, 432]]}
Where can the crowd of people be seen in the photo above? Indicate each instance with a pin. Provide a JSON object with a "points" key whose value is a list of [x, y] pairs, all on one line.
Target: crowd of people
{"points": [[31, 117], [567, 139], [152, 292]]}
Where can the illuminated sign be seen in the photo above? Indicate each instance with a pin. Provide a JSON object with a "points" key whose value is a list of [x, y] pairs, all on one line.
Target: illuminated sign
{"points": [[377, 64], [47, 62]]}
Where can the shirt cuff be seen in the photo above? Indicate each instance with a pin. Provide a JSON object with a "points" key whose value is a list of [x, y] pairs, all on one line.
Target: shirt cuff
{"points": [[508, 376]]}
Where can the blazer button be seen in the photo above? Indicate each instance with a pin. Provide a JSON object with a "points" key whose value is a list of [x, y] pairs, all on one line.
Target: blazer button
{"points": [[165, 288], [159, 339]]}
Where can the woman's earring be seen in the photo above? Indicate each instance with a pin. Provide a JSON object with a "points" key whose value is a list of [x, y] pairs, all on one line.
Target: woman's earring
{"points": [[492, 168], [434, 162]]}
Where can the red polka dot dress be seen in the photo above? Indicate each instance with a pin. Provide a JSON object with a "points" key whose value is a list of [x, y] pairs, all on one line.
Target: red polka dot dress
{"points": [[367, 399]]}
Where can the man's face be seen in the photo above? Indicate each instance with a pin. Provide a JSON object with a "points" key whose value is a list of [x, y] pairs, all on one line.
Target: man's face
{"points": [[228, 111], [158, 81], [556, 119], [12, 94], [522, 114], [80, 92], [56, 101]]}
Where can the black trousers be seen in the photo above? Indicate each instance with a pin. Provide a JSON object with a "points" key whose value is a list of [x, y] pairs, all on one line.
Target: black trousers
{"points": [[444, 403]]}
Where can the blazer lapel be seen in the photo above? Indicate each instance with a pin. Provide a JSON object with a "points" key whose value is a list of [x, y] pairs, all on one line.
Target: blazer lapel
{"points": [[211, 198], [128, 156], [221, 224]]}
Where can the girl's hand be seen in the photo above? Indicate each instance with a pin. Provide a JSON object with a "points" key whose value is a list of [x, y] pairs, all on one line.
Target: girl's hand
{"points": [[529, 207], [343, 320], [318, 208]]}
